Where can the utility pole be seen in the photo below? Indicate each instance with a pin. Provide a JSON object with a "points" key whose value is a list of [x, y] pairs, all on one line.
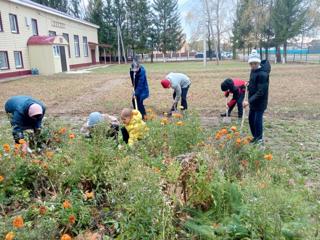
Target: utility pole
{"points": [[119, 52]]}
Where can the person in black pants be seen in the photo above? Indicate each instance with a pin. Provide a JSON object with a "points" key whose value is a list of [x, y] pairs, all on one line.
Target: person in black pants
{"points": [[140, 85], [258, 91]]}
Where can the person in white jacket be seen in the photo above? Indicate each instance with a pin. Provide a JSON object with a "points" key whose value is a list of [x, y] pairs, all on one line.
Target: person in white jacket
{"points": [[180, 83]]}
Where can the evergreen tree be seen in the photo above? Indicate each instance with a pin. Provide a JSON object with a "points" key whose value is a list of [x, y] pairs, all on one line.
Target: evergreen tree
{"points": [[95, 13], [166, 19], [74, 8], [288, 20], [61, 5]]}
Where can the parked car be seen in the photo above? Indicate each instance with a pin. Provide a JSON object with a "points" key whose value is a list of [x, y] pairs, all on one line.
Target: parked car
{"points": [[209, 53]]}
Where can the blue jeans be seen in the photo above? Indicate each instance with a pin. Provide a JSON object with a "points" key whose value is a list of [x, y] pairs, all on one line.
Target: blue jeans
{"points": [[184, 93], [256, 124], [140, 104]]}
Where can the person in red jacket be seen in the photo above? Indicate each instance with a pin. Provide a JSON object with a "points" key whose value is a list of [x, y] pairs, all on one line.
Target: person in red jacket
{"points": [[237, 88]]}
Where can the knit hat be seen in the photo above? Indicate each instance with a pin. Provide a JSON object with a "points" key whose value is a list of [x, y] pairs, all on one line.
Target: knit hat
{"points": [[35, 109], [254, 57], [94, 118], [165, 83]]}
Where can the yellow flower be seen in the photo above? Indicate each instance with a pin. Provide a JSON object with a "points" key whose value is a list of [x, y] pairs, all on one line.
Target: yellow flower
{"points": [[268, 157], [66, 204], [66, 237], [1, 178], [164, 121], [149, 110], [165, 114], [18, 222], [6, 147], [233, 128], [157, 170], [180, 123], [89, 195], [10, 236]]}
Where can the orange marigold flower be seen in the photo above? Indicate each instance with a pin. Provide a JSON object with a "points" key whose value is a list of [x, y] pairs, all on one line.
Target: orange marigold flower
{"points": [[218, 136], [180, 123], [229, 136], [233, 128], [164, 121], [45, 166], [22, 141], [237, 134], [177, 115], [36, 161], [10, 236], [224, 131], [89, 195], [42, 210], [268, 157], [49, 154], [1, 178], [66, 237], [157, 170], [72, 219], [18, 222], [66, 204], [62, 131], [245, 141], [72, 136], [238, 141], [149, 110], [6, 147]]}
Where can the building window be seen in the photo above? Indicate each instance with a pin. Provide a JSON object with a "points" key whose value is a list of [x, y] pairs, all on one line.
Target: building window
{"points": [[52, 33], [13, 23], [18, 59], [4, 62], [56, 51], [85, 46], [76, 46], [66, 37], [34, 24], [1, 26]]}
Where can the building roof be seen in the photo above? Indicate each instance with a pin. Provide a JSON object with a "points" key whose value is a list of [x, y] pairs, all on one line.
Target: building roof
{"points": [[45, 40], [39, 7]]}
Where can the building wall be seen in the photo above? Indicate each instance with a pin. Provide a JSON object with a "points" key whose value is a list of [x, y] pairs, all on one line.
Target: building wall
{"points": [[46, 22]]}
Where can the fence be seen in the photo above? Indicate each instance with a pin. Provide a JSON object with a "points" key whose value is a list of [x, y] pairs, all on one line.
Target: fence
{"points": [[305, 57]]}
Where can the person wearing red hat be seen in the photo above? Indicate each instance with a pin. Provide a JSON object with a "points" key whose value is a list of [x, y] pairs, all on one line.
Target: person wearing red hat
{"points": [[180, 83], [24, 113]]}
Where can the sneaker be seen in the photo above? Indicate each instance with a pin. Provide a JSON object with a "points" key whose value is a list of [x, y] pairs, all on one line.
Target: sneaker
{"points": [[224, 115]]}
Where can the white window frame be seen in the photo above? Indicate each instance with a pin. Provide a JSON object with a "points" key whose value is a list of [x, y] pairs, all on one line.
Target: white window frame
{"points": [[34, 27], [13, 19], [20, 59], [76, 40], [6, 60], [85, 46], [56, 50]]}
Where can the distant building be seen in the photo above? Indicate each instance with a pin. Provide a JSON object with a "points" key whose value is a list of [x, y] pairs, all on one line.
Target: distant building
{"points": [[39, 37]]}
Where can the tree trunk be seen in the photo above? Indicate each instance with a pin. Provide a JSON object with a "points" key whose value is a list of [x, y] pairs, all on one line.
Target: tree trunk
{"points": [[278, 54], [267, 53], [209, 42], [285, 51]]}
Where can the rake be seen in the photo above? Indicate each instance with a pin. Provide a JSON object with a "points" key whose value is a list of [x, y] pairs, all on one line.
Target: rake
{"points": [[227, 118]]}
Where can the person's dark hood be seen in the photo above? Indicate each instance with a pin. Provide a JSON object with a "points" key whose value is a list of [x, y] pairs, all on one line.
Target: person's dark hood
{"points": [[265, 66]]}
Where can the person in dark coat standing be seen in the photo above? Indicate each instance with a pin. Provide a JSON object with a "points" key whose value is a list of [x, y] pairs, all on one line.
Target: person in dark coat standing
{"points": [[237, 88], [140, 84], [25, 113], [258, 90]]}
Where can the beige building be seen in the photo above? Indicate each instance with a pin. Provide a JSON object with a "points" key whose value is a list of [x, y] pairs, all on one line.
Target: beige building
{"points": [[33, 36]]}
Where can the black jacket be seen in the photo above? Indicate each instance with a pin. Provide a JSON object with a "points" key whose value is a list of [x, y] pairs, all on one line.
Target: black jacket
{"points": [[258, 88]]}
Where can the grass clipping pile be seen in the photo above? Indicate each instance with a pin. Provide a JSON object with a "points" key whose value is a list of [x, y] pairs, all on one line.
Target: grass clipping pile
{"points": [[180, 182]]}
